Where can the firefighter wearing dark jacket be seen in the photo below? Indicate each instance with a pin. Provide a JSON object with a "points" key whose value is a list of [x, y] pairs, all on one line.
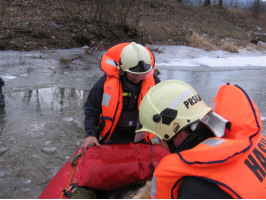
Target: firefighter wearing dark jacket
{"points": [[111, 110], [2, 100], [215, 155]]}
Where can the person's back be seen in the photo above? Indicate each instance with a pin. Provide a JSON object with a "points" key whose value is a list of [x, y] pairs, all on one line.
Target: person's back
{"points": [[222, 160]]}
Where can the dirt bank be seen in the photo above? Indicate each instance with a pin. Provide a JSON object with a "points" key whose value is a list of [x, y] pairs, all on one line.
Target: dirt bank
{"points": [[31, 25]]}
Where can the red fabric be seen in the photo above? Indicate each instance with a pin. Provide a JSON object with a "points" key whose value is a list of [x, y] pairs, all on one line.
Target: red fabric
{"points": [[107, 167], [111, 167]]}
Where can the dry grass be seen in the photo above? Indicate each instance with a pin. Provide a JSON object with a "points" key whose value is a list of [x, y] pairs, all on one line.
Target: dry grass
{"points": [[50, 24], [249, 19], [200, 42], [229, 46], [144, 192], [261, 46]]}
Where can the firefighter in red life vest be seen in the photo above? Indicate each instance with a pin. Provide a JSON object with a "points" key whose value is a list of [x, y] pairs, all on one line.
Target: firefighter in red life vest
{"points": [[209, 158], [111, 110]]}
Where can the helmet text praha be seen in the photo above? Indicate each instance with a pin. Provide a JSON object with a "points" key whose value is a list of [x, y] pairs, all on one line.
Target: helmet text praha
{"points": [[192, 101]]}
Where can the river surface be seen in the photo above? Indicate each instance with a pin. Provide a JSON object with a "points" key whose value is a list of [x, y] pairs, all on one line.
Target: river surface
{"points": [[231, 4], [45, 92]]}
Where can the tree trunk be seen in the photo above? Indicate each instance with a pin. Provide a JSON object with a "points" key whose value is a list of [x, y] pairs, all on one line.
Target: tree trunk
{"points": [[207, 2], [180, 1], [256, 8], [220, 2]]}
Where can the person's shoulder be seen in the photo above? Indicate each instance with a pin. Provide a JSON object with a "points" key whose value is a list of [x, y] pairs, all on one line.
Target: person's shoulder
{"points": [[168, 160], [101, 80], [98, 85]]}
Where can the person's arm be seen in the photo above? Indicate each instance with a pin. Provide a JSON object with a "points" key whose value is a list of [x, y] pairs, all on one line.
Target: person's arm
{"points": [[93, 109]]}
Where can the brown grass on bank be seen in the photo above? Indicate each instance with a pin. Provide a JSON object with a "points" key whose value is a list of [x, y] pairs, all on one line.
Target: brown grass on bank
{"points": [[200, 42], [229, 46], [259, 47], [31, 25], [250, 20], [144, 192]]}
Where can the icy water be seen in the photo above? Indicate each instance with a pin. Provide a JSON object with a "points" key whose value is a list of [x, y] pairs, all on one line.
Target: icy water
{"points": [[236, 4], [45, 92]]}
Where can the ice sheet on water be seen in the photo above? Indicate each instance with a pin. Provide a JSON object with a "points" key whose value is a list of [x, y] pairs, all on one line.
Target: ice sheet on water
{"points": [[50, 150], [175, 56]]}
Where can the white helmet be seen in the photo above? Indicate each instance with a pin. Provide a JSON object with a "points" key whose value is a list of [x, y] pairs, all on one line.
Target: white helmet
{"points": [[136, 61], [169, 107]]}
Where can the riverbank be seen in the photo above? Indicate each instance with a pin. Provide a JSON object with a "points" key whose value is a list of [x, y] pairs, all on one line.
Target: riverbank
{"points": [[27, 25]]}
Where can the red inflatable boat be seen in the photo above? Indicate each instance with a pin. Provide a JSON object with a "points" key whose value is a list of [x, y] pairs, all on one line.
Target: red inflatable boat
{"points": [[105, 167]]}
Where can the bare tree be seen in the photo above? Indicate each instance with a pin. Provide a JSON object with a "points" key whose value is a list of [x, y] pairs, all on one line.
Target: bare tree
{"points": [[112, 12], [256, 8], [207, 2]]}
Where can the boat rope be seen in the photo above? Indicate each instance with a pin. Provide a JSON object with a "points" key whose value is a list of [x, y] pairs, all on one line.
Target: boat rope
{"points": [[73, 162]]}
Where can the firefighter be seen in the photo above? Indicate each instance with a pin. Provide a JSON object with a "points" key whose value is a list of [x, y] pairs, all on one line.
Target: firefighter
{"points": [[215, 155], [2, 100], [111, 110]]}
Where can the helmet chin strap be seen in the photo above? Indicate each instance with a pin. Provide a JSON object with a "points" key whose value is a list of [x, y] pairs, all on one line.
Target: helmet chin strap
{"points": [[119, 68], [171, 146]]}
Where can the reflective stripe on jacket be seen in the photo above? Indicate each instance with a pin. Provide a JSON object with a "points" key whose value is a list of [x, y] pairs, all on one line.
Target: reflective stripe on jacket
{"points": [[236, 163], [112, 101]]}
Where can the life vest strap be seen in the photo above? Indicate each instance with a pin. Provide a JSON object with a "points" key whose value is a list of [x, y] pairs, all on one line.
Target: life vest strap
{"points": [[102, 124]]}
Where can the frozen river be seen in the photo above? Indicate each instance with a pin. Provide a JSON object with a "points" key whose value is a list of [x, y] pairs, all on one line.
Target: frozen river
{"points": [[42, 123]]}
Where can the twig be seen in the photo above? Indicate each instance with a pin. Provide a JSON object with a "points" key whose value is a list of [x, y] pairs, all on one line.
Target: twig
{"points": [[52, 69]]}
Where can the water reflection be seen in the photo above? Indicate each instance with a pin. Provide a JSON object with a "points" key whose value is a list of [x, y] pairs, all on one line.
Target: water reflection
{"points": [[2, 121], [233, 4], [48, 99], [38, 111], [43, 125]]}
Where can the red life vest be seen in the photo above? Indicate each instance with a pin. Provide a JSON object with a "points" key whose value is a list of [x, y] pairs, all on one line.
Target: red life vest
{"points": [[236, 163], [112, 102]]}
